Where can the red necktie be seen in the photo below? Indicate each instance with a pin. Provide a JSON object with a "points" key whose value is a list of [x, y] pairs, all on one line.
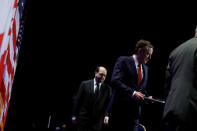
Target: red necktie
{"points": [[139, 74]]}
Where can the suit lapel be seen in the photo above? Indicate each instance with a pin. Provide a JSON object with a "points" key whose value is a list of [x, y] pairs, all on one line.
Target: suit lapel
{"points": [[144, 73], [133, 67], [101, 89], [92, 86]]}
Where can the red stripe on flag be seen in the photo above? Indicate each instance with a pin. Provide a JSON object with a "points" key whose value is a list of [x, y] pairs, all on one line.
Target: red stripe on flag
{"points": [[1, 38], [14, 34], [2, 90], [8, 62], [10, 69], [15, 4], [2, 66], [10, 31]]}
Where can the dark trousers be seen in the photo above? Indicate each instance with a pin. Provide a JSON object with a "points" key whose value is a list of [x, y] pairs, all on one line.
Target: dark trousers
{"points": [[88, 127], [124, 125]]}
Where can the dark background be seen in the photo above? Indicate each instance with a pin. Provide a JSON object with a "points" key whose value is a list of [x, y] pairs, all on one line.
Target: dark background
{"points": [[64, 42]]}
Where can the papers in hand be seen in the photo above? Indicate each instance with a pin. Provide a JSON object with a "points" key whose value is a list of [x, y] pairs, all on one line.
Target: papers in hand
{"points": [[154, 100]]}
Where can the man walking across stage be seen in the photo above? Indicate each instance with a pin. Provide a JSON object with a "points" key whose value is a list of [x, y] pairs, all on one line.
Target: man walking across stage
{"points": [[129, 81], [90, 103]]}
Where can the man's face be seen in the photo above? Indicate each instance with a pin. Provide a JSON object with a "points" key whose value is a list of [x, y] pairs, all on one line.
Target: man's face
{"points": [[145, 55], [101, 75]]}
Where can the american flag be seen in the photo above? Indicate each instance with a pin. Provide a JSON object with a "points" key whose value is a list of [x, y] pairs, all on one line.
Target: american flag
{"points": [[11, 29]]}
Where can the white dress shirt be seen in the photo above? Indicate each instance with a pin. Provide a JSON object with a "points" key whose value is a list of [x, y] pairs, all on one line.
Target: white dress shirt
{"points": [[96, 85], [136, 65]]}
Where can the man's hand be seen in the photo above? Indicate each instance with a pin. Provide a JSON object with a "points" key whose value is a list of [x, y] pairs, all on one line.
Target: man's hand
{"points": [[139, 95], [106, 120], [74, 118]]}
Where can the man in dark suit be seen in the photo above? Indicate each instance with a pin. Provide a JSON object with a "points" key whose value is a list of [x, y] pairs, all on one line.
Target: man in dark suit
{"points": [[129, 80], [91, 102], [180, 111]]}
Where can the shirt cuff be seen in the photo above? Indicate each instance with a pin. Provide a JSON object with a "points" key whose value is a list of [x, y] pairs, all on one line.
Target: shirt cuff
{"points": [[107, 117], [133, 94]]}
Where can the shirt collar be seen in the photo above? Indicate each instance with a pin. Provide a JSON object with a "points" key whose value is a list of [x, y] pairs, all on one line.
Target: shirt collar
{"points": [[95, 82], [135, 60]]}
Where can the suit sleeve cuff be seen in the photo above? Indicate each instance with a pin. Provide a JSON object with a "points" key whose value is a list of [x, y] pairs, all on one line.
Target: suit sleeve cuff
{"points": [[133, 94]]}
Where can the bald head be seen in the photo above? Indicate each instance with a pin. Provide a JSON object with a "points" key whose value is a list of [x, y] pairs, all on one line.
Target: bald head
{"points": [[100, 74]]}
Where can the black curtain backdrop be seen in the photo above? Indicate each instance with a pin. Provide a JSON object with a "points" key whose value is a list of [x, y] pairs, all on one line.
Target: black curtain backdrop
{"points": [[64, 42]]}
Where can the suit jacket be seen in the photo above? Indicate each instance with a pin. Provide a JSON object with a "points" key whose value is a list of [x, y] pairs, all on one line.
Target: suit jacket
{"points": [[181, 81], [124, 82], [89, 109]]}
